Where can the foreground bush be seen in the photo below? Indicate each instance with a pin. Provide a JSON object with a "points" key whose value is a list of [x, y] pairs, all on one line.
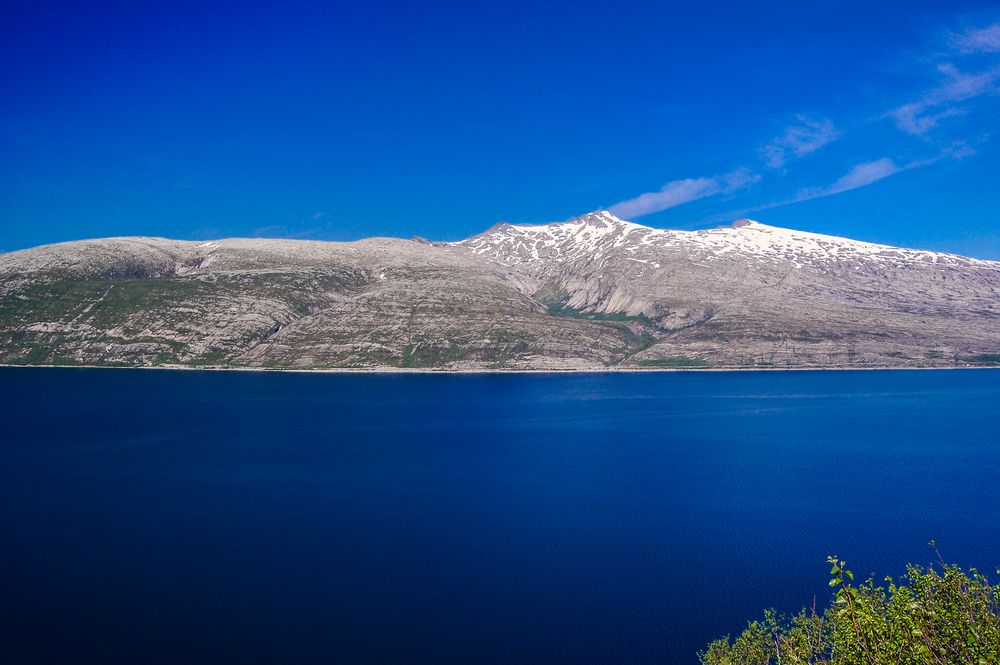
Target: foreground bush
{"points": [[931, 616]]}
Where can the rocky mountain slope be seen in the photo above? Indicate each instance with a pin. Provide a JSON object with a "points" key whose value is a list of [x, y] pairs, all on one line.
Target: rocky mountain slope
{"points": [[595, 292]]}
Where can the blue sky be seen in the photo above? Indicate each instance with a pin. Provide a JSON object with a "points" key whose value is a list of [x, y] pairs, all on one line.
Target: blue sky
{"points": [[334, 120]]}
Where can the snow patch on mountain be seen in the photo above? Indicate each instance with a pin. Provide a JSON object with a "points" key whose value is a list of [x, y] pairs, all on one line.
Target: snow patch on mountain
{"points": [[599, 234]]}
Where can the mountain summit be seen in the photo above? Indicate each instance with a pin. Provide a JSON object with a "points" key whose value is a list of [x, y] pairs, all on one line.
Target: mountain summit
{"points": [[589, 293]]}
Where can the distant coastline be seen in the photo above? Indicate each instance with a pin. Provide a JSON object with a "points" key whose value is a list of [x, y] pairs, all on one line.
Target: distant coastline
{"points": [[595, 294], [431, 370]]}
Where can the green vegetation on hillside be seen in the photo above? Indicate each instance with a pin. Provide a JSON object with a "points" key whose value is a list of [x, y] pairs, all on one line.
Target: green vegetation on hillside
{"points": [[932, 616], [987, 358], [676, 361], [636, 331]]}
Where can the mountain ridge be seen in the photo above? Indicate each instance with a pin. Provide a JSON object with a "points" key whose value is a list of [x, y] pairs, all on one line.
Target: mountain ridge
{"points": [[594, 292]]}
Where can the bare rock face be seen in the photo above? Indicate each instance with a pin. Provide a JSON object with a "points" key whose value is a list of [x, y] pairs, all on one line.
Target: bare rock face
{"points": [[756, 295], [595, 292]]}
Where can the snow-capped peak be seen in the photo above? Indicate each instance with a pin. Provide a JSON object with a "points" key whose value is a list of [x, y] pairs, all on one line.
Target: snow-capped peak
{"points": [[600, 234], [599, 217]]}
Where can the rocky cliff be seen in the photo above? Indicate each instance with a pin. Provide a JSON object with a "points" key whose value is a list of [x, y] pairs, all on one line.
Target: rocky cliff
{"points": [[592, 293]]}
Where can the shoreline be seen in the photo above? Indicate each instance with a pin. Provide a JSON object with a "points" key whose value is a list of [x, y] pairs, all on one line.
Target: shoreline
{"points": [[443, 371]]}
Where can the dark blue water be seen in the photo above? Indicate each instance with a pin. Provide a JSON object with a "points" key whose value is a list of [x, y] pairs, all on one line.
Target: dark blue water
{"points": [[242, 517]]}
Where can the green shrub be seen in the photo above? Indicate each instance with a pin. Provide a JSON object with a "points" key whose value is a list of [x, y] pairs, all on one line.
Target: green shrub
{"points": [[932, 616]]}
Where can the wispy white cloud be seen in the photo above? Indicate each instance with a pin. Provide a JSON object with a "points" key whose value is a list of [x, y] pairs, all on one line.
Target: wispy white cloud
{"points": [[676, 192], [978, 40], [959, 92], [922, 115], [808, 135], [914, 119], [867, 173], [859, 176], [957, 151]]}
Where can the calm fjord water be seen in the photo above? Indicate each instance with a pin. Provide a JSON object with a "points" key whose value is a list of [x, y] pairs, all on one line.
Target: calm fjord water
{"points": [[600, 518]]}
